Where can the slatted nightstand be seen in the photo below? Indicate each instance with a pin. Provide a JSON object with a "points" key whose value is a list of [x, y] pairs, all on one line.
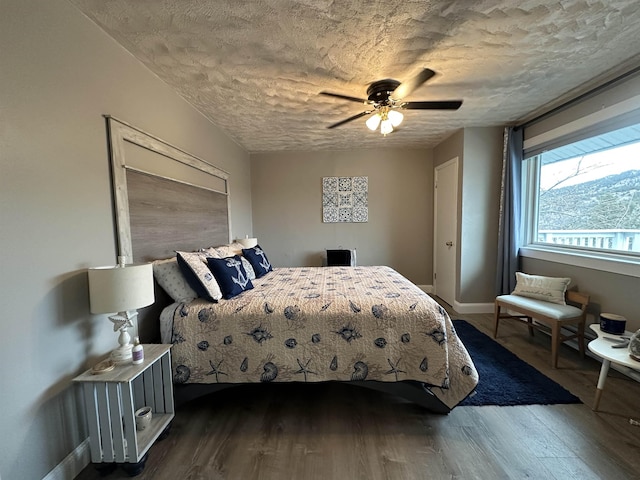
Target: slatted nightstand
{"points": [[111, 399]]}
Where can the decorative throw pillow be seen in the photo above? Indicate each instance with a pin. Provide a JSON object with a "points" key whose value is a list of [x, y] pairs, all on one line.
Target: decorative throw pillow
{"points": [[229, 251], [211, 252], [248, 268], [230, 275], [198, 275], [549, 289], [168, 275], [258, 260]]}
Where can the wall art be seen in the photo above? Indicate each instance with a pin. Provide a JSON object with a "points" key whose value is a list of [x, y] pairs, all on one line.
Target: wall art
{"points": [[345, 199]]}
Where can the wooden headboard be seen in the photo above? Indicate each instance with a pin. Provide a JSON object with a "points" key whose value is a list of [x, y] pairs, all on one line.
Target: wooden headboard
{"points": [[165, 199]]}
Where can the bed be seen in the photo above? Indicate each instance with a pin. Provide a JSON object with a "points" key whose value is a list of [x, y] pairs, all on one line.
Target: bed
{"points": [[367, 326]]}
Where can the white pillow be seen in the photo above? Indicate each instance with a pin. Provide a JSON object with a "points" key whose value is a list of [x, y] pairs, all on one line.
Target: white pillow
{"points": [[170, 278], [197, 273], [229, 250], [211, 252], [549, 289]]}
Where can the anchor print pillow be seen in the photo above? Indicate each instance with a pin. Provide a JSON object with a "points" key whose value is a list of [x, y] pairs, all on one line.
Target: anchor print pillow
{"points": [[258, 260], [230, 250], [230, 275]]}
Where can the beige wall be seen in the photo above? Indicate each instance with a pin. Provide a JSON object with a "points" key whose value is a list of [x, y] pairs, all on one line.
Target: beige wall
{"points": [[481, 175], [287, 208], [59, 74], [451, 147], [609, 292], [479, 153]]}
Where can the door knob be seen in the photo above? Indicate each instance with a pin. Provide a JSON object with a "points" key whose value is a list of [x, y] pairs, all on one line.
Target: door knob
{"points": [[449, 244]]}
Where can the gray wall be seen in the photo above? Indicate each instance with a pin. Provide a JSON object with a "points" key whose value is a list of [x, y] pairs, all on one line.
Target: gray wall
{"points": [[59, 73], [481, 174], [287, 208], [479, 152], [450, 148], [610, 292]]}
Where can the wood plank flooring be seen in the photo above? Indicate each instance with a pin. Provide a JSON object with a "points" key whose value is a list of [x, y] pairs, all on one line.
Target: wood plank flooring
{"points": [[325, 432]]}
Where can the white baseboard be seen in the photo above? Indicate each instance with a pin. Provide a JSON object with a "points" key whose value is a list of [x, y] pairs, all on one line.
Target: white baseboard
{"points": [[463, 307], [73, 464], [473, 307]]}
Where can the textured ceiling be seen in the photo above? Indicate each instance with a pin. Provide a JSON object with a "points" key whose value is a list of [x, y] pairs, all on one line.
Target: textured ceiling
{"points": [[255, 67]]}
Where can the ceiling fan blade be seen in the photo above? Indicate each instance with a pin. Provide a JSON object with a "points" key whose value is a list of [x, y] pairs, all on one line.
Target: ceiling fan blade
{"points": [[439, 105], [344, 97], [405, 88], [355, 117]]}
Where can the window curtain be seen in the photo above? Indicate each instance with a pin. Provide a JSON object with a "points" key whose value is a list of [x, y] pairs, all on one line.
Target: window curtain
{"points": [[510, 209]]}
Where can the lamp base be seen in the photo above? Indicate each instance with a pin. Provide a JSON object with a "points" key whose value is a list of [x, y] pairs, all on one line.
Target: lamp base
{"points": [[122, 354]]}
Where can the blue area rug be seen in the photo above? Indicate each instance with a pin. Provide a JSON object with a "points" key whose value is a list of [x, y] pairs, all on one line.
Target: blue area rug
{"points": [[504, 378]]}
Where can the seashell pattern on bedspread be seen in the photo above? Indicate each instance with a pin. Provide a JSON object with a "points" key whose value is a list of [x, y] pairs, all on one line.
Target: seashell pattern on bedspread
{"points": [[323, 324]]}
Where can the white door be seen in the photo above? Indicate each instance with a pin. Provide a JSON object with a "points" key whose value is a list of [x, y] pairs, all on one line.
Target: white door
{"points": [[445, 225]]}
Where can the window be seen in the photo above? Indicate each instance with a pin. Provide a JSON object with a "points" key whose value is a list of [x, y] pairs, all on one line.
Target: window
{"points": [[585, 196]]}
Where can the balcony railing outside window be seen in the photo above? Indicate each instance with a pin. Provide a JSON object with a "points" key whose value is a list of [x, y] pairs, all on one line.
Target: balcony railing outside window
{"points": [[613, 239]]}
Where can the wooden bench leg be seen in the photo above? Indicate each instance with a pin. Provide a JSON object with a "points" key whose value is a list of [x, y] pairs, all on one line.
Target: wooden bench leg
{"points": [[530, 325], [496, 319], [555, 344]]}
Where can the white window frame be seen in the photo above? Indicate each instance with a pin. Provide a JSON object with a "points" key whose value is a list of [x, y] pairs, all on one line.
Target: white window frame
{"points": [[614, 262]]}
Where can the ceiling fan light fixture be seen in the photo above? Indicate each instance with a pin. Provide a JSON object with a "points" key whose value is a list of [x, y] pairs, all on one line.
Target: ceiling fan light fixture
{"points": [[373, 121], [395, 117], [386, 127], [385, 96]]}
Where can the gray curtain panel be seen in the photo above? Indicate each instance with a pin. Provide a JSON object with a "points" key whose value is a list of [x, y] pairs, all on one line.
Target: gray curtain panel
{"points": [[509, 231]]}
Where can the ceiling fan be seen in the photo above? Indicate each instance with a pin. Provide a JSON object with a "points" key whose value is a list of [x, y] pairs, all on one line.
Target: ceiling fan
{"points": [[384, 98]]}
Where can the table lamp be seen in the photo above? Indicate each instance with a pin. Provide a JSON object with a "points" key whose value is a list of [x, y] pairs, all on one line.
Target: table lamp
{"points": [[122, 289], [248, 242]]}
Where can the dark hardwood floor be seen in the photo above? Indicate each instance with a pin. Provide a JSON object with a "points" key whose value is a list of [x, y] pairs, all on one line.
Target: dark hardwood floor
{"points": [[333, 431]]}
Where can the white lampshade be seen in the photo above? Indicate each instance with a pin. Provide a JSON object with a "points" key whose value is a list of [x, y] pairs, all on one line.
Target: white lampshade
{"points": [[373, 121], [121, 288], [248, 242], [386, 127], [395, 117]]}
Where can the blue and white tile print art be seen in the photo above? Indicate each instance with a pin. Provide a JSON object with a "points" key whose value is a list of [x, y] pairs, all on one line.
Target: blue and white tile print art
{"points": [[345, 199]]}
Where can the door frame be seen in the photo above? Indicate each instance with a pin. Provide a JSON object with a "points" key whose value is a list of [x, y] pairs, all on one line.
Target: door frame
{"points": [[448, 163]]}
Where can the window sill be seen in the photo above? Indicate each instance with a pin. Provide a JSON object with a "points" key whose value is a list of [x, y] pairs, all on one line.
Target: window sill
{"points": [[612, 263]]}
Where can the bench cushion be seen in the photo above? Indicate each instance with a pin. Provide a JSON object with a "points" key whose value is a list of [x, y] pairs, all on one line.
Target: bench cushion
{"points": [[550, 310]]}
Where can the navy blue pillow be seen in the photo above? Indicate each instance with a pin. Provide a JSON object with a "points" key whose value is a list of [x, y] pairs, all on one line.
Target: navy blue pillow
{"points": [[258, 260], [230, 275]]}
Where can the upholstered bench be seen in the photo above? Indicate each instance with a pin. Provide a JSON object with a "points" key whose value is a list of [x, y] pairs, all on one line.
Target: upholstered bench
{"points": [[570, 310]]}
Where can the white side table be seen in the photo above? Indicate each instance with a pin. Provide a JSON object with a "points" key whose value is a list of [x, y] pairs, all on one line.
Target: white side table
{"points": [[602, 347], [111, 399]]}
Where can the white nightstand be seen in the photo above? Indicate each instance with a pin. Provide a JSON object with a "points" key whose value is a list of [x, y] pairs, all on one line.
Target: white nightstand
{"points": [[111, 399]]}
